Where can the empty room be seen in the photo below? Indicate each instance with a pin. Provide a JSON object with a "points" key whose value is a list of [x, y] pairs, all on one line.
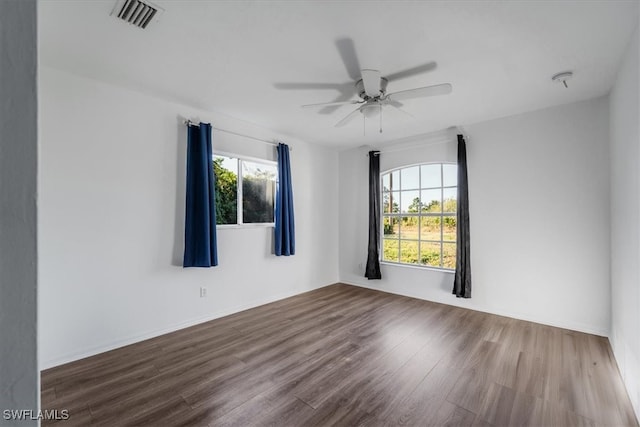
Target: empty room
{"points": [[319, 213]]}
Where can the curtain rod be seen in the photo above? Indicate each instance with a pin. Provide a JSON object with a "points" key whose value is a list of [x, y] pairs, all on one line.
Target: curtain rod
{"points": [[189, 122], [393, 150], [441, 139]]}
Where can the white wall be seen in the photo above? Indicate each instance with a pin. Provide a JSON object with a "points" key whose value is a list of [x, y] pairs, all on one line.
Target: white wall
{"points": [[112, 207], [539, 208], [625, 222], [19, 375]]}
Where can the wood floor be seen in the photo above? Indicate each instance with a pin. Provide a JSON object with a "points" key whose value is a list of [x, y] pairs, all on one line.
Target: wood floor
{"points": [[348, 356]]}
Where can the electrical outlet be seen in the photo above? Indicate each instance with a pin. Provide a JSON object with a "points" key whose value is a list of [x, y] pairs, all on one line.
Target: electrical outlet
{"points": [[203, 292]]}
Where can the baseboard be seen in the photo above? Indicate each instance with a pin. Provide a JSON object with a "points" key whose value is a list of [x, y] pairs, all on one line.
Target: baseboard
{"points": [[72, 357], [558, 324]]}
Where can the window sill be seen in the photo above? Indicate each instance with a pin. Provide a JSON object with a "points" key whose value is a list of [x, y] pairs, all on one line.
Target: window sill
{"points": [[234, 226], [419, 267]]}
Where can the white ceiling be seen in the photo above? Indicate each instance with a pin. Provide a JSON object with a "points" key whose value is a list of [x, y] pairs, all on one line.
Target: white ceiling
{"points": [[226, 56]]}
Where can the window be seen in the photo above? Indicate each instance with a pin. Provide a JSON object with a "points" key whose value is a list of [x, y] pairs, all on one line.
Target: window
{"points": [[245, 190], [419, 215]]}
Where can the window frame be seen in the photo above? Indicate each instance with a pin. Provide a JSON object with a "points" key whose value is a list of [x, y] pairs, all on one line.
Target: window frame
{"points": [[239, 211], [418, 215]]}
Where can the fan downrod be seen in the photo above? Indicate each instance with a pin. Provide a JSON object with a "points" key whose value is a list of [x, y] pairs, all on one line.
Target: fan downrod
{"points": [[363, 94]]}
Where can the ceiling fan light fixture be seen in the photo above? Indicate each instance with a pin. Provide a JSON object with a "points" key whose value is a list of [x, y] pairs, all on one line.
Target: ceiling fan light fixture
{"points": [[370, 110]]}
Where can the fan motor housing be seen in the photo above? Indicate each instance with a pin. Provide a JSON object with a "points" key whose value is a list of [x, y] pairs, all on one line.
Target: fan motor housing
{"points": [[362, 94]]}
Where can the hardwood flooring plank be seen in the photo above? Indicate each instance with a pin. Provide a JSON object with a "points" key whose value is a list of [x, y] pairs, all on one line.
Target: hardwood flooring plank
{"points": [[78, 399], [388, 381], [338, 411], [127, 355], [110, 376], [497, 405], [257, 409], [77, 418], [475, 379], [529, 374], [432, 410], [380, 354], [150, 412], [48, 394], [291, 413]]}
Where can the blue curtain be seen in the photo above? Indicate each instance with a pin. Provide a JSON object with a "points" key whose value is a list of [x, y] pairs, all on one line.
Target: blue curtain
{"points": [[285, 242], [200, 249]]}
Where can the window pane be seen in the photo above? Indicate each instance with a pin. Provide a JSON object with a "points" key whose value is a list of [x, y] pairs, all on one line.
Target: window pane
{"points": [[430, 176], [449, 255], [389, 226], [410, 178], [409, 251], [391, 202], [410, 201], [386, 186], [390, 250], [226, 185], [430, 254], [450, 202], [430, 228], [431, 201], [394, 180], [386, 203], [409, 227], [258, 192], [449, 228], [449, 175]]}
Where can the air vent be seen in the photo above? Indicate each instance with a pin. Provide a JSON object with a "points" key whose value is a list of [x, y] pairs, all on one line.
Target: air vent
{"points": [[136, 12]]}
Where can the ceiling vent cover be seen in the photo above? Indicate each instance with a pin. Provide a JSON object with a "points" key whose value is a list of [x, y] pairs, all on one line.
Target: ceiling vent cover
{"points": [[136, 12]]}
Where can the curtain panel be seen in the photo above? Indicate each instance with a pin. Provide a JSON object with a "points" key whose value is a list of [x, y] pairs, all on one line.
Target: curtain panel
{"points": [[372, 270], [462, 280], [200, 242], [285, 241]]}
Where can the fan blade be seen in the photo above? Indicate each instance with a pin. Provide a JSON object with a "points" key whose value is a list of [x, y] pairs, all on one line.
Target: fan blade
{"points": [[344, 96], [400, 109], [420, 92], [394, 103], [412, 71], [348, 54], [371, 81], [328, 104], [348, 118], [312, 86]]}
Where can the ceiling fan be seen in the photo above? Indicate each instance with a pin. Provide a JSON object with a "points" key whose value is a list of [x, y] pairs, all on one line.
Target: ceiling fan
{"points": [[370, 87]]}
